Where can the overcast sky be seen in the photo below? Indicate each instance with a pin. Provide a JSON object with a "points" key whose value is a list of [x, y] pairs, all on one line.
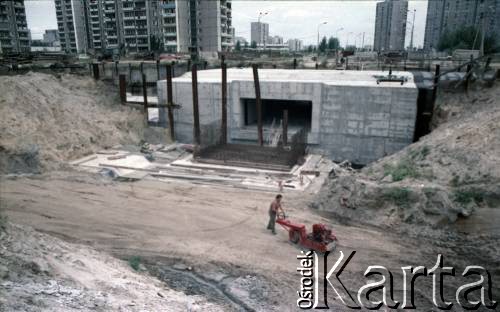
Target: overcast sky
{"points": [[289, 19]]}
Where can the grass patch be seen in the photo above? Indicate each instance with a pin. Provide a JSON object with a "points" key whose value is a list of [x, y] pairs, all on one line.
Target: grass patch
{"points": [[398, 195], [419, 153], [135, 262], [466, 197], [406, 168]]}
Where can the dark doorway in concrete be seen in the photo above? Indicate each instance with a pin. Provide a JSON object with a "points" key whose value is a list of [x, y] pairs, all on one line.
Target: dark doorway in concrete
{"points": [[299, 112]]}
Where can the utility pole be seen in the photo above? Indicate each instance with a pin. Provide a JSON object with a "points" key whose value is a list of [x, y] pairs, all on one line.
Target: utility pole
{"points": [[317, 47]]}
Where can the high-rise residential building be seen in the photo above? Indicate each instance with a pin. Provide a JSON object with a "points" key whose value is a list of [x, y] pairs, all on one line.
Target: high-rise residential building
{"points": [[71, 25], [449, 15], [295, 45], [133, 26], [259, 33], [129, 26], [390, 25], [14, 32]]}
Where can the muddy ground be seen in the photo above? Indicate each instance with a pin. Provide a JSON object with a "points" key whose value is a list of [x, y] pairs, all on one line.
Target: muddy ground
{"points": [[212, 241]]}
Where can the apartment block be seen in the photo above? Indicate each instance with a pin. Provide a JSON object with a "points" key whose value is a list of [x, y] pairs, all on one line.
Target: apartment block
{"points": [[390, 25], [259, 33], [14, 32], [71, 25], [449, 15], [295, 45], [136, 26]]}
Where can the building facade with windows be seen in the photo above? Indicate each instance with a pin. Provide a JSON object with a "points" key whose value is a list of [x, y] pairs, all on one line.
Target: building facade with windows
{"points": [[137, 26], [14, 32], [390, 25], [450, 15]]}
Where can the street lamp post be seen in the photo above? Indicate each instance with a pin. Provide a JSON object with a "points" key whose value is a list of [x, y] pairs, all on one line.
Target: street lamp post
{"points": [[262, 35], [317, 47]]}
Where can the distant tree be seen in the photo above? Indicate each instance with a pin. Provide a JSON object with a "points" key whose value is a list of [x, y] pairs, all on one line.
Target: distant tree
{"points": [[310, 49], [333, 43], [246, 45], [323, 45], [467, 37], [238, 46], [253, 45]]}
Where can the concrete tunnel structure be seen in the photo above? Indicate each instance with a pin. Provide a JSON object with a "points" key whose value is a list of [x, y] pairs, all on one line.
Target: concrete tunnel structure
{"points": [[346, 113]]}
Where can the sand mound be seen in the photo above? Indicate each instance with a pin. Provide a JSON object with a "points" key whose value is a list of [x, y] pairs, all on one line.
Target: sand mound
{"points": [[39, 272], [448, 173], [45, 120]]}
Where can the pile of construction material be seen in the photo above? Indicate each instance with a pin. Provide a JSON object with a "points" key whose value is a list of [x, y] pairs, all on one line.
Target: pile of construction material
{"points": [[176, 162]]}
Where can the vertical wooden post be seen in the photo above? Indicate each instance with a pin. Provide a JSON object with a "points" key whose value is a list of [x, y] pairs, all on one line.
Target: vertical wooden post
{"points": [[95, 68], [294, 63], [285, 127], [317, 66], [123, 89], [158, 69], [224, 103], [436, 82], [258, 104], [116, 70], [196, 113], [170, 102], [145, 95]]}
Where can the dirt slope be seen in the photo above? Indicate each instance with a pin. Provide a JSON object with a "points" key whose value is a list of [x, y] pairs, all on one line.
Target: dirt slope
{"points": [[46, 119], [449, 173], [40, 272]]}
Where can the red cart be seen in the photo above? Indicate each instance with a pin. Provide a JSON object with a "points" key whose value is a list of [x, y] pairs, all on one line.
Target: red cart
{"points": [[321, 239]]}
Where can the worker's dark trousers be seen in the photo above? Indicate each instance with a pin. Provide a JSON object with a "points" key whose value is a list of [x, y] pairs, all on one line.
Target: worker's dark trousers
{"points": [[272, 221]]}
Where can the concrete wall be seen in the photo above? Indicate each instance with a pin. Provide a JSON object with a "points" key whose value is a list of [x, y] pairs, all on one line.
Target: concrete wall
{"points": [[355, 121]]}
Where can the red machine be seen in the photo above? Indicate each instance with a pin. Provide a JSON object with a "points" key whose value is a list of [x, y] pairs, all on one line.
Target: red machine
{"points": [[321, 239]]}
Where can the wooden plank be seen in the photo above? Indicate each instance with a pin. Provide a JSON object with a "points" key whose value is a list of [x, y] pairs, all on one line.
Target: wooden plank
{"points": [[196, 112], [258, 103]]}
